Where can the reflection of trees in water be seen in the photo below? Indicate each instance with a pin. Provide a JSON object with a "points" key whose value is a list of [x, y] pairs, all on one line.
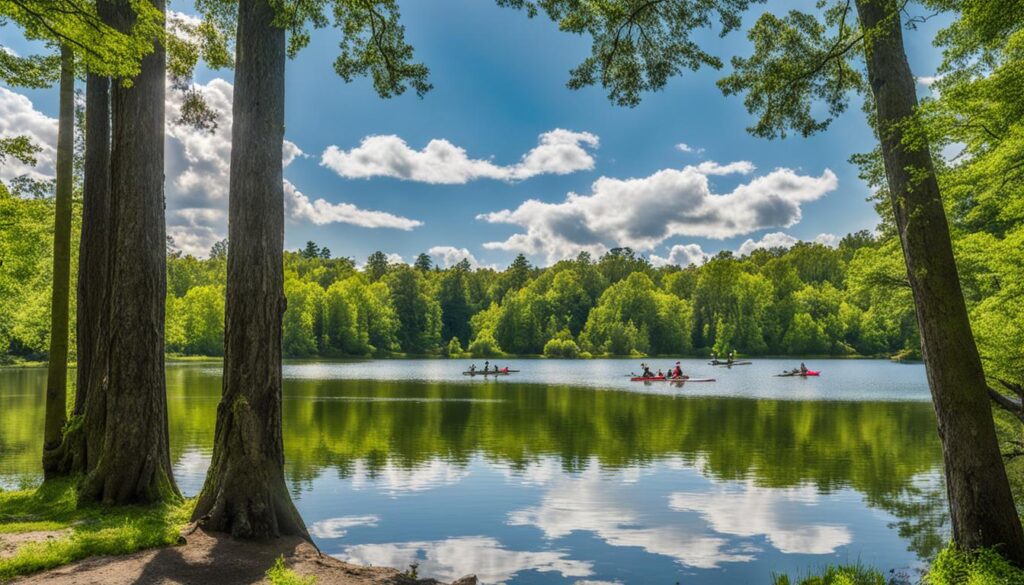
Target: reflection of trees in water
{"points": [[922, 515], [375, 429]]}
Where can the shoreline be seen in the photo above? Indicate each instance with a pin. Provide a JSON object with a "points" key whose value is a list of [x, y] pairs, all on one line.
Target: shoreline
{"points": [[204, 557]]}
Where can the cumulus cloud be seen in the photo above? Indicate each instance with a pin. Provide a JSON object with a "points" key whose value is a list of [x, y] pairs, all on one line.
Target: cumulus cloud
{"points": [[18, 117], [783, 240], [322, 212], [684, 147], [643, 212], [682, 255], [448, 256], [558, 152]]}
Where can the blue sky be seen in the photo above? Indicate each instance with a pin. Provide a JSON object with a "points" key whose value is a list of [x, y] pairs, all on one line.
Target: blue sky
{"points": [[499, 84]]}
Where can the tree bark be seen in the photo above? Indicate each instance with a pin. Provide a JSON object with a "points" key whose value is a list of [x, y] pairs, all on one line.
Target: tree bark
{"points": [[981, 506], [133, 464], [93, 262], [57, 370], [245, 491]]}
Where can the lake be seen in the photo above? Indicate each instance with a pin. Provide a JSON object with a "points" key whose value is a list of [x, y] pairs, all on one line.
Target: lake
{"points": [[567, 472]]}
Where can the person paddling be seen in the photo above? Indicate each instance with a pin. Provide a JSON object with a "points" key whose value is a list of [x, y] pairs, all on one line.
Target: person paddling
{"points": [[732, 356], [472, 368], [714, 357], [487, 366], [803, 369], [677, 372], [647, 371]]}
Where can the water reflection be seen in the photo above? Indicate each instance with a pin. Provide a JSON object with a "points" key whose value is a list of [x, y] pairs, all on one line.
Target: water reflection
{"points": [[452, 558], [555, 484]]}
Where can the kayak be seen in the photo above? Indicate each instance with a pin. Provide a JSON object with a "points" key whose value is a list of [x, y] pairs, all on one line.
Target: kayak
{"points": [[809, 373], [488, 373], [664, 379], [728, 364]]}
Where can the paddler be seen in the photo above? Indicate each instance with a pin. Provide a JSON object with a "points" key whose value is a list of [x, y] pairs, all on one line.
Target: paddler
{"points": [[472, 368], [677, 372], [487, 365], [714, 357], [803, 369], [647, 371], [732, 356]]}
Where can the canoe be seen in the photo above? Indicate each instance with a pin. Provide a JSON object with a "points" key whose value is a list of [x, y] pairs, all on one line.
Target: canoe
{"points": [[727, 364], [488, 373], [809, 373], [664, 379]]}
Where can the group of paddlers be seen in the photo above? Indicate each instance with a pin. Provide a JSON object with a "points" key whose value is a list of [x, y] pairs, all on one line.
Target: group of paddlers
{"points": [[729, 359], [675, 373], [487, 368]]}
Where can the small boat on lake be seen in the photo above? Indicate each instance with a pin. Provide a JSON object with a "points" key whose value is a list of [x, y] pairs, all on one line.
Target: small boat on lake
{"points": [[668, 379], [728, 364], [798, 374], [501, 372]]}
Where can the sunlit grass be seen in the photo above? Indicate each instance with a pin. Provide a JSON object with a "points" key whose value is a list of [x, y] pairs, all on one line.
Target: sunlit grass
{"points": [[279, 574], [93, 529]]}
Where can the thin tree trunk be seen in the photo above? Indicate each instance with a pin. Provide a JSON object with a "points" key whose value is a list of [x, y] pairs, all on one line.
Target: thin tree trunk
{"points": [[245, 491], [981, 505], [134, 462], [57, 372], [92, 250]]}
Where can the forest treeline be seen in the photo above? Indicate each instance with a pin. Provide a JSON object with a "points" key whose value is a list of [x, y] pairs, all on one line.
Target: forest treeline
{"points": [[809, 299]]}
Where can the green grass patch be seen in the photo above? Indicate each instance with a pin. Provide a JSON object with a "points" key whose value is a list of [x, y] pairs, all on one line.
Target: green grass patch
{"points": [[279, 574], [834, 575], [984, 567], [94, 529]]}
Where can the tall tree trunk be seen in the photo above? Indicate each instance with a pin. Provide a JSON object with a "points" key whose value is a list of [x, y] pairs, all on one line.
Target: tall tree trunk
{"points": [[93, 262], [134, 463], [245, 491], [981, 506], [57, 372]]}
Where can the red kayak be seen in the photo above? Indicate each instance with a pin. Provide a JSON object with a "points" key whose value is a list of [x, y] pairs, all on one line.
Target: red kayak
{"points": [[809, 373], [664, 379]]}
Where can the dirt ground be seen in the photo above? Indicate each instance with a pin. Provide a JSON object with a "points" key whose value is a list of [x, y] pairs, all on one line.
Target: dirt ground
{"points": [[220, 560], [9, 543]]}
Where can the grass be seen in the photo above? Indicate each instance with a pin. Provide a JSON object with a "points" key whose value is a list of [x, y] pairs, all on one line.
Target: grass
{"points": [[279, 574], [92, 529], [834, 575], [985, 567]]}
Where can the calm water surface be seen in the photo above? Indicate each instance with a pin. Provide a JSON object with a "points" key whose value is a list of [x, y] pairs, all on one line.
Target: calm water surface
{"points": [[569, 473]]}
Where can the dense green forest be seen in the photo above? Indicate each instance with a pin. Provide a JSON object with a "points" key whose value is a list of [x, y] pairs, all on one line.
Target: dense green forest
{"points": [[807, 299]]}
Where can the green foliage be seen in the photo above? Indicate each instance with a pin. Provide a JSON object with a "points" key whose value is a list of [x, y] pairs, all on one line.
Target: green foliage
{"points": [[562, 345], [485, 346], [92, 530], [280, 574], [372, 41], [637, 45], [634, 317], [835, 575], [954, 566]]}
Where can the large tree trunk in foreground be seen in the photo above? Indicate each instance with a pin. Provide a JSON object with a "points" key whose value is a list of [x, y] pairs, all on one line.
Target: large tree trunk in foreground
{"points": [[134, 463], [981, 506], [57, 370], [93, 260], [245, 491]]}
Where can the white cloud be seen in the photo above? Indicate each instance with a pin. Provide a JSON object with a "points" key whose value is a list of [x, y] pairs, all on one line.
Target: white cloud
{"points": [[783, 240], [644, 212], [558, 152], [684, 147], [18, 117], [682, 255], [322, 212], [448, 256], [453, 558], [747, 510], [198, 165], [338, 527]]}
